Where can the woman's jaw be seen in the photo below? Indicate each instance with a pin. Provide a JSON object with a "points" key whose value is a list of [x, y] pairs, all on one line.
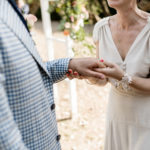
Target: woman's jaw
{"points": [[122, 4]]}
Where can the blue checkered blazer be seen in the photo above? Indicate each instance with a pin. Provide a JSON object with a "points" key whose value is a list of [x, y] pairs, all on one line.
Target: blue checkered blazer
{"points": [[27, 117]]}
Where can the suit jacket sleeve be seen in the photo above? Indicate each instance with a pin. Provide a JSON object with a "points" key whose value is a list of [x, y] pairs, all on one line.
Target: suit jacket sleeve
{"points": [[58, 68], [10, 137]]}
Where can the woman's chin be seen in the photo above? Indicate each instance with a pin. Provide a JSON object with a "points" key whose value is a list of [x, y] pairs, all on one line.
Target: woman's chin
{"points": [[114, 4]]}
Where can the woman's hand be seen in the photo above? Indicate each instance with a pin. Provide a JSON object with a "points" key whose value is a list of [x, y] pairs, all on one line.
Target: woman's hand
{"points": [[85, 67], [112, 70], [90, 80], [73, 75]]}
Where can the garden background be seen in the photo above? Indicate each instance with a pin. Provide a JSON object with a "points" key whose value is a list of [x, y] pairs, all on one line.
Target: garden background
{"points": [[77, 18]]}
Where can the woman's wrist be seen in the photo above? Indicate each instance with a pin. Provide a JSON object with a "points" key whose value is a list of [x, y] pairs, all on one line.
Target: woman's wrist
{"points": [[125, 81], [120, 75]]}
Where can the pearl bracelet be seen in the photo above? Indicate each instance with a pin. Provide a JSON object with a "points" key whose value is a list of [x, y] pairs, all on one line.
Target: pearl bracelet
{"points": [[127, 78], [124, 82]]}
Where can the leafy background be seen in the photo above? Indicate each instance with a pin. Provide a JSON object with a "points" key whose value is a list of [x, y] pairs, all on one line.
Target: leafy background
{"points": [[74, 15], [96, 8]]}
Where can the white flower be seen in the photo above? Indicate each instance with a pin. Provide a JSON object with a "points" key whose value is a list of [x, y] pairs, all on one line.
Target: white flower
{"points": [[80, 22], [84, 9], [75, 27], [86, 13], [82, 16], [21, 3], [72, 18], [67, 25], [31, 19]]}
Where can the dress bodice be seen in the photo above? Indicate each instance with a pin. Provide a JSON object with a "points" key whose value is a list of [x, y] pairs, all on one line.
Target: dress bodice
{"points": [[137, 61]]}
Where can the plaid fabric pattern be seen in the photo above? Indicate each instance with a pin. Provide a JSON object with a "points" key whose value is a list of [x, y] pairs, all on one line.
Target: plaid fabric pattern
{"points": [[26, 88]]}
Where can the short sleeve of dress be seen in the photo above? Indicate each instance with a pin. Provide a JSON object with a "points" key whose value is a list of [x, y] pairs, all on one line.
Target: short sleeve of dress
{"points": [[149, 56], [96, 33], [97, 28]]}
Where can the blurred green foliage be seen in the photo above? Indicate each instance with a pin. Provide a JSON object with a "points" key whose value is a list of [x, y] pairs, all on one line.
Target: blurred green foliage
{"points": [[71, 14], [96, 8]]}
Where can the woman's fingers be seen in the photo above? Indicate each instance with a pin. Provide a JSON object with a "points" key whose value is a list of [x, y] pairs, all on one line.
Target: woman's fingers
{"points": [[96, 74], [108, 64], [76, 75], [106, 71], [101, 64], [71, 75]]}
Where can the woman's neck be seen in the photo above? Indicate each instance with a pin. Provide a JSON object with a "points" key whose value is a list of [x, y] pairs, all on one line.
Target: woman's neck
{"points": [[128, 17]]}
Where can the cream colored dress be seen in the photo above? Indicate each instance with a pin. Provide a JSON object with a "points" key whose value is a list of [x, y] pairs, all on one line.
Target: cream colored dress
{"points": [[128, 115]]}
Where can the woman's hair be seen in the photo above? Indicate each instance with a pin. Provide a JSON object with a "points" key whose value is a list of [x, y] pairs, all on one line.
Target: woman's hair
{"points": [[139, 1]]}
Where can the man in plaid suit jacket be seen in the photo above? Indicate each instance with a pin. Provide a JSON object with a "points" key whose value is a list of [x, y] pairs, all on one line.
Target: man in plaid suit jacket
{"points": [[27, 115]]}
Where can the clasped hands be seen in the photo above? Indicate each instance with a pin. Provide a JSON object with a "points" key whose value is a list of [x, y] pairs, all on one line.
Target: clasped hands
{"points": [[84, 68]]}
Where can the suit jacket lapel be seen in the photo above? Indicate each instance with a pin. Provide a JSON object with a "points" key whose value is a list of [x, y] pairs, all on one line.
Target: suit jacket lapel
{"points": [[10, 17], [13, 3]]}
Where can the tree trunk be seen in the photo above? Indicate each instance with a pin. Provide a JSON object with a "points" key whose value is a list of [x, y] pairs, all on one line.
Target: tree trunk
{"points": [[34, 6], [145, 5], [105, 8]]}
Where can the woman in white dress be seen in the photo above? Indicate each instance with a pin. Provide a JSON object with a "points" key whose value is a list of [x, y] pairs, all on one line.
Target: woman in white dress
{"points": [[123, 42]]}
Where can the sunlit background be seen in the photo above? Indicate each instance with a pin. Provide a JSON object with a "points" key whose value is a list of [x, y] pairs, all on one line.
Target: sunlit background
{"points": [[80, 106]]}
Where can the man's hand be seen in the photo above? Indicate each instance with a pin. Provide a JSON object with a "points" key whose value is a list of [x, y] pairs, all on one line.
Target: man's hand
{"points": [[85, 67]]}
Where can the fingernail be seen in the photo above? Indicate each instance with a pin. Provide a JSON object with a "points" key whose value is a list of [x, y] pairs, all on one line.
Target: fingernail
{"points": [[75, 73], [67, 74], [103, 77], [70, 71], [101, 60]]}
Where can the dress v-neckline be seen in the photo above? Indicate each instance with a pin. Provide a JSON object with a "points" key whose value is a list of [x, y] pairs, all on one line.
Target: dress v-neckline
{"points": [[142, 32]]}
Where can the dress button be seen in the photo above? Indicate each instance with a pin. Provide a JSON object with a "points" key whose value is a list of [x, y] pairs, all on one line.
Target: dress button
{"points": [[124, 67], [58, 137], [53, 106]]}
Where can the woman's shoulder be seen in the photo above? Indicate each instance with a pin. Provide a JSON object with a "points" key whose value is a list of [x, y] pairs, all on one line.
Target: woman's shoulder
{"points": [[145, 14], [148, 14], [102, 22], [98, 26]]}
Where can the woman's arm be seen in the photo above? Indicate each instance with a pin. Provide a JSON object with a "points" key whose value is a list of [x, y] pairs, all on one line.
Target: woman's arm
{"points": [[114, 71], [97, 49], [142, 84]]}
